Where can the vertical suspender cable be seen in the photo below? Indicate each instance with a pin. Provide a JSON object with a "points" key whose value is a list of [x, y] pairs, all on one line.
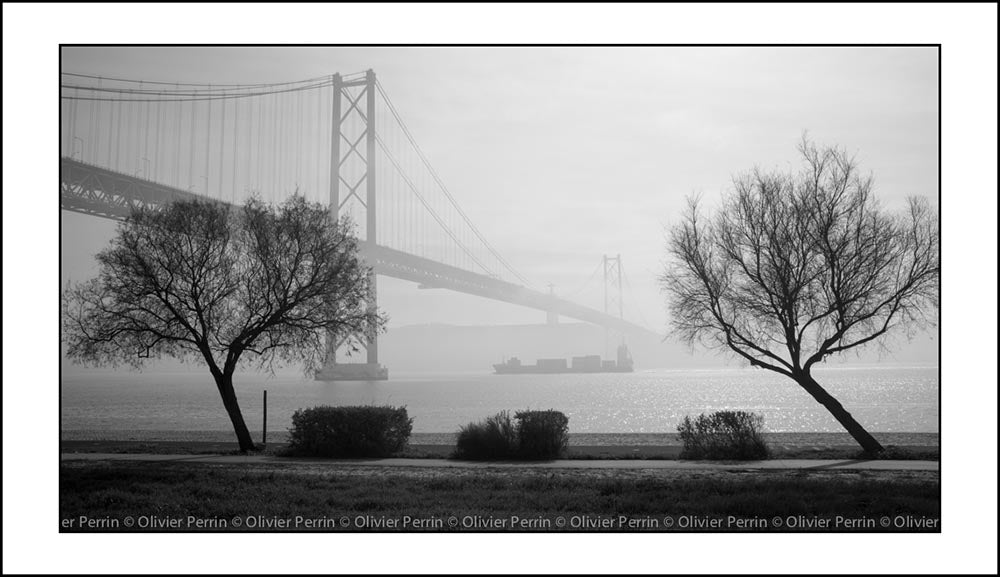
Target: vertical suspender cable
{"points": [[286, 148], [156, 143], [145, 144], [278, 135], [236, 141], [222, 145], [208, 143], [177, 145], [91, 139], [73, 109], [65, 106], [319, 143], [260, 126], [130, 149], [271, 146], [279, 165], [97, 127], [191, 152], [288, 126], [298, 139], [279, 116], [126, 151], [118, 133]]}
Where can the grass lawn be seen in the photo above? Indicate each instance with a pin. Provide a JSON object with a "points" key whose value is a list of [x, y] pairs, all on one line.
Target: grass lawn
{"points": [[113, 490]]}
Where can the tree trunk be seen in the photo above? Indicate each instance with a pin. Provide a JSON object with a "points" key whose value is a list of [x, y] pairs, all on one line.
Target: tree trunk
{"points": [[225, 384], [863, 437]]}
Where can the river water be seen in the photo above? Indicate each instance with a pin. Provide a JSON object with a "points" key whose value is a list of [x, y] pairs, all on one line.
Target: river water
{"points": [[883, 398]]}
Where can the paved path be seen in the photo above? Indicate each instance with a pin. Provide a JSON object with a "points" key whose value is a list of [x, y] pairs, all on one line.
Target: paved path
{"points": [[803, 464]]}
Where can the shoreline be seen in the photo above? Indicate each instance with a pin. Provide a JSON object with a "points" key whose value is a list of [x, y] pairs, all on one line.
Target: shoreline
{"points": [[632, 440], [574, 452]]}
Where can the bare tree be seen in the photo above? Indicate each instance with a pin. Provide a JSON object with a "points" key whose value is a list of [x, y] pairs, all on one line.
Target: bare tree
{"points": [[256, 285], [796, 267]]}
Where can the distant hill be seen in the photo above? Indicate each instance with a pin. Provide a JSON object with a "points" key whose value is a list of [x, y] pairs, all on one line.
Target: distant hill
{"points": [[434, 347], [469, 348], [438, 347]]}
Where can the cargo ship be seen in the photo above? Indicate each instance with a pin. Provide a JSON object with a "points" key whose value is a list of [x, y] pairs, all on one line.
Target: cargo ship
{"points": [[586, 364]]}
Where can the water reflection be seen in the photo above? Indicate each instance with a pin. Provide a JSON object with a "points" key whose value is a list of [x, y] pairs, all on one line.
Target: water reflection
{"points": [[884, 399]]}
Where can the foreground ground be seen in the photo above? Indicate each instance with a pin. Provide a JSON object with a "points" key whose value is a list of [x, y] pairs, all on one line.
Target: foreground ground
{"points": [[113, 495]]}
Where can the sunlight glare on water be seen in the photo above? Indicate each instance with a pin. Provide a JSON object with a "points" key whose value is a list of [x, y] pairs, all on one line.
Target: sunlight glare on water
{"points": [[888, 399]]}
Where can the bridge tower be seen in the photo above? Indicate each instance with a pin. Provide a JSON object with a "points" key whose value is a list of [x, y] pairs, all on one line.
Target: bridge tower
{"points": [[612, 292], [552, 315], [351, 167]]}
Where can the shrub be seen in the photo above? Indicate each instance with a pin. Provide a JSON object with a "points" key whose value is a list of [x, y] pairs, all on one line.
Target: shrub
{"points": [[494, 438], [542, 434], [734, 435], [537, 435], [365, 431]]}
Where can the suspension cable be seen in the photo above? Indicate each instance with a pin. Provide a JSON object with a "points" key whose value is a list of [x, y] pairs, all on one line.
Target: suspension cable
{"points": [[423, 201], [441, 184], [631, 294]]}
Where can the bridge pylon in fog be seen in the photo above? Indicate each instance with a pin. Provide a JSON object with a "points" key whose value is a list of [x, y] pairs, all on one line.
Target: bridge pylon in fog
{"points": [[353, 171], [613, 298]]}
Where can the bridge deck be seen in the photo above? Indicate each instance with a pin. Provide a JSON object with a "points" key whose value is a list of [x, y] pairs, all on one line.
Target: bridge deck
{"points": [[104, 193]]}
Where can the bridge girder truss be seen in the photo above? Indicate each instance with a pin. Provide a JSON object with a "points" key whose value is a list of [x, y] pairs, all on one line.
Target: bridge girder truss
{"points": [[101, 192]]}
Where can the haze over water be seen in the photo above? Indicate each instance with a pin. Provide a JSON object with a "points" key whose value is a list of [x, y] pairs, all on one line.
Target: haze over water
{"points": [[883, 398]]}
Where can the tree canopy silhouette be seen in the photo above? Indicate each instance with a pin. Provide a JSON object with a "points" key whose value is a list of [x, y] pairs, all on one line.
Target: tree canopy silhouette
{"points": [[796, 267], [256, 285]]}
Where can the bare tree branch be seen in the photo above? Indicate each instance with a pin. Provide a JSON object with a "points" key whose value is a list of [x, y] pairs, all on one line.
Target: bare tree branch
{"points": [[259, 286], [796, 267]]}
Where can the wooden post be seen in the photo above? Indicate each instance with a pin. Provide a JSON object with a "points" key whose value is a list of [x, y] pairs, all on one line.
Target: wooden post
{"points": [[264, 440]]}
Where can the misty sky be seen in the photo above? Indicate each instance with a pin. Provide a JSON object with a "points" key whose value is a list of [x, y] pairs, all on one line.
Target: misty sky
{"points": [[560, 155]]}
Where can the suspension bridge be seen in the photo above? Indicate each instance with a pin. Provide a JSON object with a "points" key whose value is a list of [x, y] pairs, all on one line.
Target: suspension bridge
{"points": [[335, 139]]}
